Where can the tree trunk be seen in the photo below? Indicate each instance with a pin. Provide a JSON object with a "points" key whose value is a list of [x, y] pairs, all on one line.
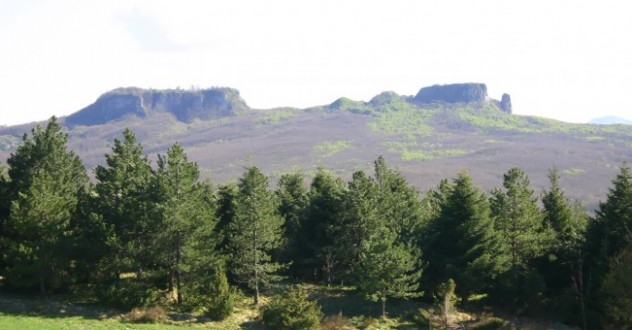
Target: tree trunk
{"points": [[383, 303], [42, 285], [178, 274], [254, 251]]}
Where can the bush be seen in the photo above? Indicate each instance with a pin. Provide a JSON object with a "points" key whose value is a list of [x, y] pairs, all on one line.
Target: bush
{"points": [[292, 311], [212, 294], [336, 322], [150, 315]]}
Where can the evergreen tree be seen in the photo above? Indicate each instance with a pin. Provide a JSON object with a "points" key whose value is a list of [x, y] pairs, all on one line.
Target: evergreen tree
{"points": [[519, 223], [399, 202], [462, 244], [325, 206], [616, 290], [293, 202], [568, 222], [360, 218], [387, 268], [185, 214], [46, 180], [609, 231], [226, 208], [257, 232], [608, 234], [127, 208], [5, 204]]}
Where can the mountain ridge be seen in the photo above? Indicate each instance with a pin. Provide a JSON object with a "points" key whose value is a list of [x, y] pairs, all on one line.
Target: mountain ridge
{"points": [[426, 141]]}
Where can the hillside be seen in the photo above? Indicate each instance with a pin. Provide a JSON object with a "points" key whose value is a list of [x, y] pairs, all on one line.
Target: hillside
{"points": [[433, 135]]}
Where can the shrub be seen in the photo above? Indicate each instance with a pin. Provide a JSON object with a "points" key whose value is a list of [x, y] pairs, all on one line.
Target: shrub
{"points": [[336, 322], [292, 311], [146, 315]]}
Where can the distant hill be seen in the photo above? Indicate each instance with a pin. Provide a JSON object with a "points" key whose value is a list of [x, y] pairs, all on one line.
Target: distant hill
{"points": [[610, 120], [429, 136]]}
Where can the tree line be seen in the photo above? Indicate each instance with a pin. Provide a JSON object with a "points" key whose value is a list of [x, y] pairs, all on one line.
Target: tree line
{"points": [[138, 235]]}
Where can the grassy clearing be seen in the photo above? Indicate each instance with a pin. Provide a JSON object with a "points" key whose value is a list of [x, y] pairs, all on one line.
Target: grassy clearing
{"points": [[330, 148], [277, 116], [413, 151]]}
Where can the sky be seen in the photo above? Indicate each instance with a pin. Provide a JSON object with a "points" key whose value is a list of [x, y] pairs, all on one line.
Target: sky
{"points": [[567, 60]]}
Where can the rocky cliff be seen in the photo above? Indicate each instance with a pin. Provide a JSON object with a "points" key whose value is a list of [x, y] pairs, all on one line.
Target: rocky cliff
{"points": [[185, 105], [453, 93]]}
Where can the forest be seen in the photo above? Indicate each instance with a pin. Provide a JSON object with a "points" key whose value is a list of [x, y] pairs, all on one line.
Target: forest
{"points": [[132, 234]]}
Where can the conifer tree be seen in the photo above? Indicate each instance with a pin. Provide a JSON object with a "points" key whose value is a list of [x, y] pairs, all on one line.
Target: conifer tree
{"points": [[360, 218], [568, 222], [293, 202], [46, 180], [399, 202], [325, 206], [185, 214], [607, 235], [257, 231], [388, 268], [127, 208], [462, 244], [519, 222]]}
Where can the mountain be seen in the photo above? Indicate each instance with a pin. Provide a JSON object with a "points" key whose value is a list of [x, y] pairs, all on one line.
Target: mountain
{"points": [[610, 120], [429, 136]]}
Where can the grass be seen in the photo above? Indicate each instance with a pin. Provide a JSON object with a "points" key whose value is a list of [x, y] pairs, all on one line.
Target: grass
{"points": [[343, 308], [330, 148], [573, 171], [412, 151], [277, 116]]}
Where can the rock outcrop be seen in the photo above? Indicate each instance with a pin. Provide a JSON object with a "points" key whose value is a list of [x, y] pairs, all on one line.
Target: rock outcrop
{"points": [[185, 105], [505, 104], [453, 93]]}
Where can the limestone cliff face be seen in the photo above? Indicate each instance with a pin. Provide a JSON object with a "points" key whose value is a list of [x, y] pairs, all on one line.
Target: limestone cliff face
{"points": [[452, 93], [185, 105]]}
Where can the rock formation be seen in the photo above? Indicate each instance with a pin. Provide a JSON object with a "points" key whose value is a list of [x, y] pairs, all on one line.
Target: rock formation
{"points": [[453, 93], [505, 104], [185, 105]]}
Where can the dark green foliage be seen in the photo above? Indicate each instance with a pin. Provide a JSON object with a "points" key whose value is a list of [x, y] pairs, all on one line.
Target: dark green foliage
{"points": [[461, 242], [186, 219], [608, 234], [127, 207], [388, 268], [256, 232], [293, 310], [45, 182], [562, 267], [359, 220], [211, 293], [326, 197], [616, 289], [519, 223], [293, 202], [399, 202]]}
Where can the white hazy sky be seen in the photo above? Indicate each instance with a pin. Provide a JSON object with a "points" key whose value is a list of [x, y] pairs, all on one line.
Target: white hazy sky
{"points": [[568, 60]]}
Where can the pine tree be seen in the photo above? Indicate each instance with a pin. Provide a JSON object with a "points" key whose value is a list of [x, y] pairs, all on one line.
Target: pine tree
{"points": [[46, 180], [519, 222], [325, 206], [293, 202], [359, 219], [399, 202], [127, 207], [257, 232], [616, 290], [184, 213], [568, 222], [462, 243], [387, 268], [607, 235], [609, 231]]}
